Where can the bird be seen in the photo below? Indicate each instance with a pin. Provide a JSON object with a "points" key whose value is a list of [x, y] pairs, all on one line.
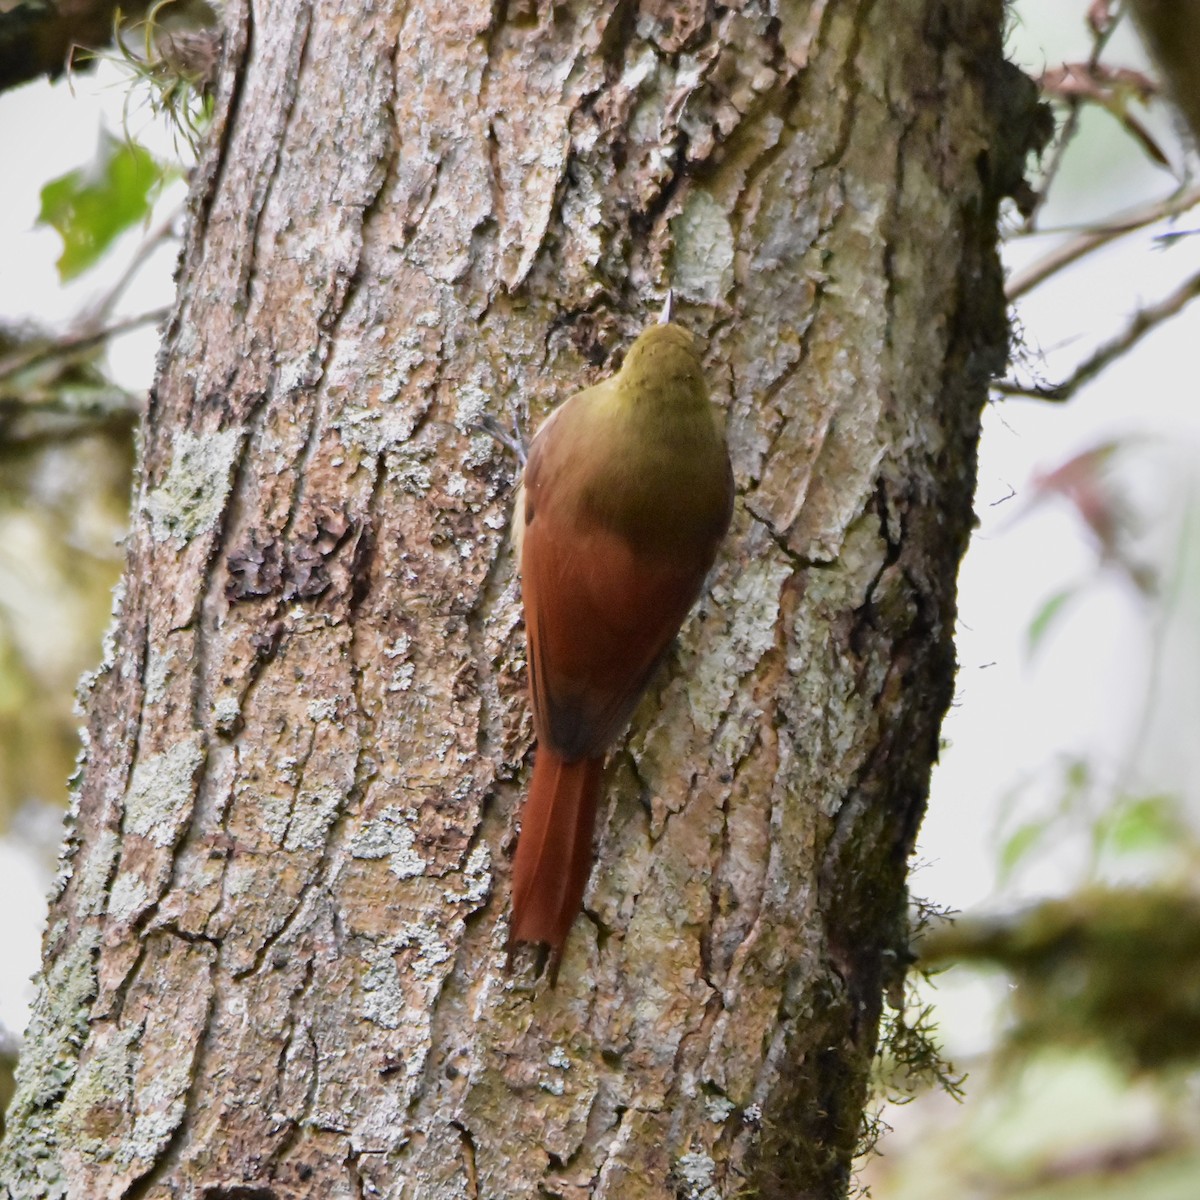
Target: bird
{"points": [[626, 496]]}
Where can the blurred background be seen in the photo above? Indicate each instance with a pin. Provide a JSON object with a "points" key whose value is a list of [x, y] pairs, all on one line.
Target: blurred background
{"points": [[1063, 1003], [1049, 1045]]}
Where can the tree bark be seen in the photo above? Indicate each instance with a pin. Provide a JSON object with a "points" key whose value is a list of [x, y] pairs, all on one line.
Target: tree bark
{"points": [[275, 964]]}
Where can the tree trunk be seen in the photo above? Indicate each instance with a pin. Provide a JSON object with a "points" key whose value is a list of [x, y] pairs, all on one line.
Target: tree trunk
{"points": [[275, 964]]}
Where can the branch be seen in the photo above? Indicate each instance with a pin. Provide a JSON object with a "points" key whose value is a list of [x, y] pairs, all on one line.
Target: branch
{"points": [[73, 343], [64, 402], [1143, 321], [1100, 36], [56, 416], [117, 422], [1092, 239], [159, 234], [1104, 967], [70, 402]]}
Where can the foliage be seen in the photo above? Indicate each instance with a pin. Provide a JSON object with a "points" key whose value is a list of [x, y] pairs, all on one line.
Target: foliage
{"points": [[90, 206]]}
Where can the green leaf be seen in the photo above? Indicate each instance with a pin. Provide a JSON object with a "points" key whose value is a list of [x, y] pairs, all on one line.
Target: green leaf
{"points": [[90, 206], [1044, 618], [1019, 845], [1144, 823]]}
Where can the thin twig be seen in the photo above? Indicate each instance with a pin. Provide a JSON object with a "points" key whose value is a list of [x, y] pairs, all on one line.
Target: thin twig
{"points": [[1092, 239], [1142, 322], [1100, 39], [163, 230], [74, 343]]}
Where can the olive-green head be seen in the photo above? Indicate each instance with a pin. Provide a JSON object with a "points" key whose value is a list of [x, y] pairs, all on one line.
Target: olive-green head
{"points": [[663, 365]]}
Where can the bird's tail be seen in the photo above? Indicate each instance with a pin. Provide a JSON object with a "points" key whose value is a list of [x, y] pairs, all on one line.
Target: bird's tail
{"points": [[554, 852]]}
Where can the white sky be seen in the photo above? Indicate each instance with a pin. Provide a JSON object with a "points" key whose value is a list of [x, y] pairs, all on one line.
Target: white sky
{"points": [[1013, 717]]}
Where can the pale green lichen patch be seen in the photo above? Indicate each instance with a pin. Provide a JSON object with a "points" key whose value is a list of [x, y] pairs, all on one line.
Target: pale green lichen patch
{"points": [[754, 607], [697, 1174], [108, 649], [59, 1021], [127, 897], [92, 891], [479, 450], [410, 470], [313, 813], [160, 1093], [159, 661], [638, 69], [383, 998], [226, 711], [49, 1059], [373, 430], [69, 847], [151, 1130], [583, 215], [389, 835], [192, 498], [402, 678], [96, 1103], [554, 1083], [298, 373], [431, 950], [751, 602], [471, 405], [322, 710], [399, 647], [477, 876], [703, 263], [863, 553], [160, 794]]}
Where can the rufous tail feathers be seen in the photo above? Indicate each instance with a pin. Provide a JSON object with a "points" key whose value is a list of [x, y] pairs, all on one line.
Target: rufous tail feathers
{"points": [[554, 851]]}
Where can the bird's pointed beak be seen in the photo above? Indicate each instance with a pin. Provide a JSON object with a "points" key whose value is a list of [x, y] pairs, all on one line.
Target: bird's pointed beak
{"points": [[664, 317]]}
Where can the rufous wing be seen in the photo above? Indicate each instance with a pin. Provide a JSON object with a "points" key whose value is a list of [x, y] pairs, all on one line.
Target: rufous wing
{"points": [[599, 617]]}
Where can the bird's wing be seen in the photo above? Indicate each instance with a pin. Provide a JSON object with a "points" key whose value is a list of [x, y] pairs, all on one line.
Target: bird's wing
{"points": [[599, 616]]}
